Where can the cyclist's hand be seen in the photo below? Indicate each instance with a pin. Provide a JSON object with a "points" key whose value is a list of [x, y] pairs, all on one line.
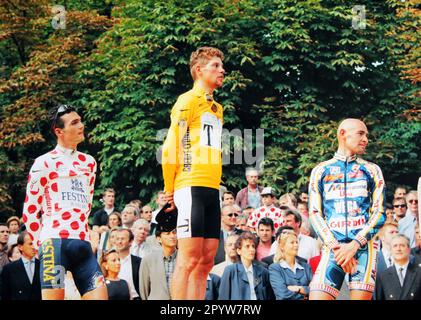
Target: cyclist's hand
{"points": [[169, 197], [345, 252]]}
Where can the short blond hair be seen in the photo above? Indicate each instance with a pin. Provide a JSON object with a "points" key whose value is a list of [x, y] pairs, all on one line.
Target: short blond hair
{"points": [[282, 240], [202, 56]]}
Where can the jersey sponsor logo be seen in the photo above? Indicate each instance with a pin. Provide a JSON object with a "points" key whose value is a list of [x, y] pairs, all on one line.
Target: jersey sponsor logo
{"points": [[214, 108], [340, 223], [74, 192], [77, 185], [353, 189], [351, 207], [355, 174], [333, 177], [334, 170], [210, 131], [51, 273], [187, 161]]}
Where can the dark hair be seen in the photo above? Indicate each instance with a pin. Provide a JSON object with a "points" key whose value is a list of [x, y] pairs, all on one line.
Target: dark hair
{"points": [[54, 115], [266, 222], [228, 192], [297, 215], [10, 250], [281, 229], [389, 206], [302, 202], [21, 237], [246, 235], [131, 235], [118, 215], [3, 225]]}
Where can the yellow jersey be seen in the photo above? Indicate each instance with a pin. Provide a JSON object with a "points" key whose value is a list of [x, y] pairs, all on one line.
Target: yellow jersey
{"points": [[192, 151]]}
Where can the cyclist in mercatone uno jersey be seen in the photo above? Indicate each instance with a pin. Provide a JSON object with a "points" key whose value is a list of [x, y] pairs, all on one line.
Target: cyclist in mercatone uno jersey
{"points": [[347, 209], [56, 210], [192, 169]]}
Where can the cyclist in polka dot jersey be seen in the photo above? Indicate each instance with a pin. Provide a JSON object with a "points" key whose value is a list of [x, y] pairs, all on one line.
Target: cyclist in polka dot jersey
{"points": [[57, 206]]}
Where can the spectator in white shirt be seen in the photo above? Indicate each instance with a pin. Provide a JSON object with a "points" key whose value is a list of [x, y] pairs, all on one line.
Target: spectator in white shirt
{"points": [[230, 255], [160, 202], [128, 216], [385, 255], [308, 246], [140, 247], [13, 223], [130, 264]]}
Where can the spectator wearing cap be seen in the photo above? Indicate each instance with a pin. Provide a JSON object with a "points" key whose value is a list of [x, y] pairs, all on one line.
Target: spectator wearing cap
{"points": [[265, 233], [250, 195], [308, 246], [157, 267], [268, 210], [13, 223], [246, 279]]}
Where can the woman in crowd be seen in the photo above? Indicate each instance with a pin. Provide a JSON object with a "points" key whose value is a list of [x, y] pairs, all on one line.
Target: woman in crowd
{"points": [[289, 278], [13, 253], [246, 279], [106, 241], [118, 289]]}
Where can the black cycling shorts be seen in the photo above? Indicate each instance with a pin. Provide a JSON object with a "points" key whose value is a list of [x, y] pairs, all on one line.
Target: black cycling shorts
{"points": [[60, 255], [199, 212]]}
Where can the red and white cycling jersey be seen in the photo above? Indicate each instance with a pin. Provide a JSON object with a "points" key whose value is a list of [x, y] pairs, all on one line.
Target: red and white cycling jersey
{"points": [[266, 212], [59, 195]]}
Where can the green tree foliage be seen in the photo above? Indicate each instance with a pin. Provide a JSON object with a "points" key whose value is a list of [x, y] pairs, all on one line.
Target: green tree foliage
{"points": [[295, 68]]}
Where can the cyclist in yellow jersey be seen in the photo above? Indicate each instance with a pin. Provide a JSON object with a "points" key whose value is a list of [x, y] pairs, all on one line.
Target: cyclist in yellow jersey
{"points": [[192, 169]]}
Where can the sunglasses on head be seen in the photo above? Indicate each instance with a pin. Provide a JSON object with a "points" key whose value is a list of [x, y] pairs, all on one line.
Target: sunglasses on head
{"points": [[235, 214], [64, 108], [399, 205]]}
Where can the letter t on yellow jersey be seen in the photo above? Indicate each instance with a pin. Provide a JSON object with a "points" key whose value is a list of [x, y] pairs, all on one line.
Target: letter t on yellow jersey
{"points": [[192, 152]]}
